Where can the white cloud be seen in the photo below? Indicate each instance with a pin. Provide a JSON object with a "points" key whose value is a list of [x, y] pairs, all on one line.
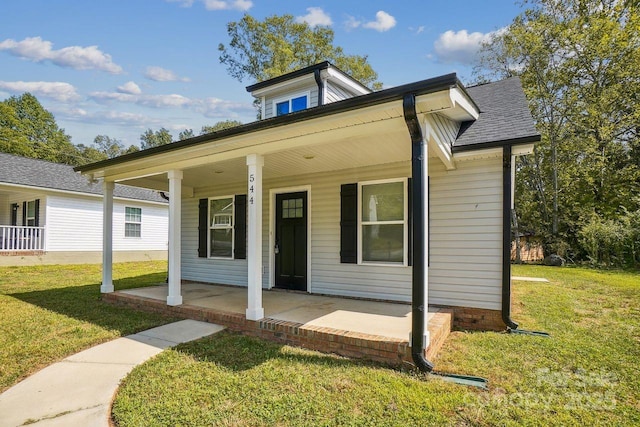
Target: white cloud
{"points": [[315, 17], [383, 22], [59, 91], [460, 46], [241, 5], [130, 87], [77, 57], [160, 74], [183, 3], [352, 23], [154, 101], [418, 30]]}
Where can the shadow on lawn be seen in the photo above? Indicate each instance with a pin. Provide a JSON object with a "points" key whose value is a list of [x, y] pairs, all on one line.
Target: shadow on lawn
{"points": [[83, 302], [237, 352]]}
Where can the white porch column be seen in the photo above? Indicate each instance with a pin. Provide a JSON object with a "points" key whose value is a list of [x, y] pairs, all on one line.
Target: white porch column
{"points": [[174, 296], [255, 311], [107, 237]]}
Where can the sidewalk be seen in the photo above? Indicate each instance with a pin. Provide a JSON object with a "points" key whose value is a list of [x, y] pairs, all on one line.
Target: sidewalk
{"points": [[78, 390]]}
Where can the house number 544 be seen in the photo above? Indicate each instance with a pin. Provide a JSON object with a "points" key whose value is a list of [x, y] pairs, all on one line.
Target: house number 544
{"points": [[252, 178]]}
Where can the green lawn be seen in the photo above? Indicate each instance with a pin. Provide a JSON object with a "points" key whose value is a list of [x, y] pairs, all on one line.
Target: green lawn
{"points": [[585, 374], [50, 312]]}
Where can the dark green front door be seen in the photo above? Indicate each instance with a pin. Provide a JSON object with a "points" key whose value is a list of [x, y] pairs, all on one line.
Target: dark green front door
{"points": [[291, 241]]}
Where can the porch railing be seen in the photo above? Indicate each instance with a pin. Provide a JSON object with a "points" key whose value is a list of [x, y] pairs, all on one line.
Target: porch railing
{"points": [[21, 238]]}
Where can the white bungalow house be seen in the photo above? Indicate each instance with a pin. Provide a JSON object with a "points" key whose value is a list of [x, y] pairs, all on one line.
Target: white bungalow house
{"points": [[402, 194], [49, 214]]}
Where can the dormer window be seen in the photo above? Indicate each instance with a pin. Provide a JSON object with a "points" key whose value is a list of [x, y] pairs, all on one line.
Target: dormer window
{"points": [[291, 104]]}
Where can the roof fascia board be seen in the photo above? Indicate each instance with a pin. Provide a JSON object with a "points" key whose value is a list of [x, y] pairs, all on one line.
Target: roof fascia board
{"points": [[270, 82], [478, 154], [522, 150], [462, 99], [283, 85], [514, 141], [75, 193]]}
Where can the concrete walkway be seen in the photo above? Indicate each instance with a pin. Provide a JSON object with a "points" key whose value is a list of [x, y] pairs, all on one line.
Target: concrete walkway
{"points": [[78, 390], [529, 279]]}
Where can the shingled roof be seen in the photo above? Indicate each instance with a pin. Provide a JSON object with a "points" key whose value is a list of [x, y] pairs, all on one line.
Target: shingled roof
{"points": [[504, 117], [54, 176]]}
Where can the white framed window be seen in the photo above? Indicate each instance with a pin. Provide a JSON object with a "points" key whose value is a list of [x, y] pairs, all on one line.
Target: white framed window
{"points": [[382, 222], [291, 104], [221, 211], [132, 222], [31, 213]]}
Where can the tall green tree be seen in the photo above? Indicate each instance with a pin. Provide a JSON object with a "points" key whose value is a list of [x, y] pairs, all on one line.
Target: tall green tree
{"points": [[111, 147], [221, 125], [152, 138], [260, 50], [185, 134], [28, 129], [578, 61]]}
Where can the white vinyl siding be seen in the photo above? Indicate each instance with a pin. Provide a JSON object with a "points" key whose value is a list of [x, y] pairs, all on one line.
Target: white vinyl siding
{"points": [[328, 275], [75, 224], [466, 234], [335, 93], [5, 210]]}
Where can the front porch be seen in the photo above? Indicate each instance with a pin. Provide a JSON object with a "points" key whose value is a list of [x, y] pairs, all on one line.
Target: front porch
{"points": [[358, 328], [22, 240]]}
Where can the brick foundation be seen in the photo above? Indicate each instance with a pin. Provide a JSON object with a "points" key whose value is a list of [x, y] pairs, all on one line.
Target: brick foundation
{"points": [[387, 350], [477, 319]]}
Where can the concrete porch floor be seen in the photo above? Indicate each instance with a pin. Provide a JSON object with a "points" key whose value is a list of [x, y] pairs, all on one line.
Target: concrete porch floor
{"points": [[378, 330]]}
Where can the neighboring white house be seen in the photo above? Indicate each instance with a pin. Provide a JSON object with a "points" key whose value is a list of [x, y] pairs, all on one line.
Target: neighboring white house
{"points": [[402, 194], [50, 214]]}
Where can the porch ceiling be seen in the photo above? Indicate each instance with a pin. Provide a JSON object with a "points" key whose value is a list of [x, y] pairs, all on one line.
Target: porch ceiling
{"points": [[381, 142]]}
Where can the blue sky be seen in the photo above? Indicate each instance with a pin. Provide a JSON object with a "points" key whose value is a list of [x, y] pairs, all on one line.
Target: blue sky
{"points": [[118, 67]]}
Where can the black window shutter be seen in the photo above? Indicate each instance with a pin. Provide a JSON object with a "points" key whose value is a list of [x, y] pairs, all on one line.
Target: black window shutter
{"points": [[410, 221], [203, 223], [14, 214], [24, 214], [37, 213], [349, 223], [240, 227]]}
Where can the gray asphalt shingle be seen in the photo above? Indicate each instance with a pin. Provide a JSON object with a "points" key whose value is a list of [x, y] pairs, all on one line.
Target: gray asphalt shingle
{"points": [[46, 175], [504, 115]]}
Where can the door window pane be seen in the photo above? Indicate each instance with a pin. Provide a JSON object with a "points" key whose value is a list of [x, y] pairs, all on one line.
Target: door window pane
{"points": [[292, 208]]}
